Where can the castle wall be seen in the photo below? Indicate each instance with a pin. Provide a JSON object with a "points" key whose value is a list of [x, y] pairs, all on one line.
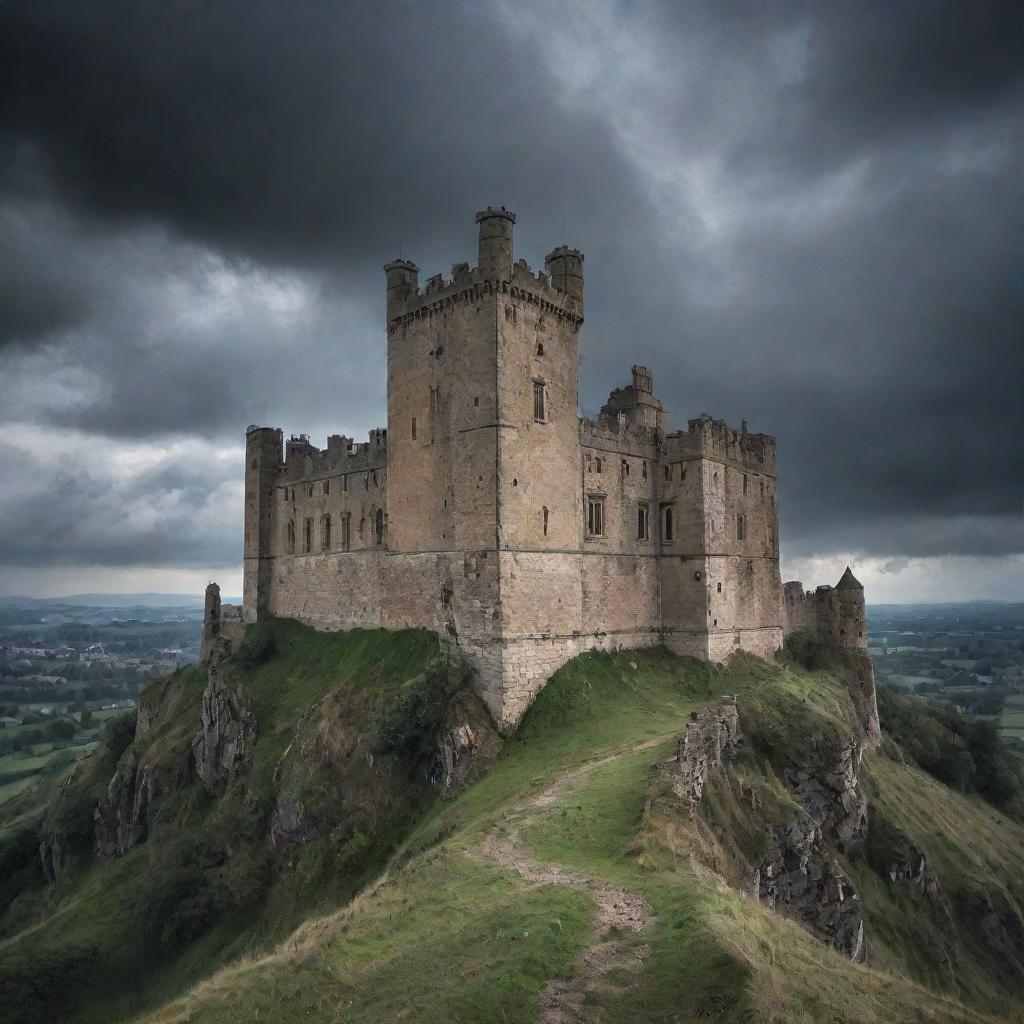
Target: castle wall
{"points": [[470, 514]]}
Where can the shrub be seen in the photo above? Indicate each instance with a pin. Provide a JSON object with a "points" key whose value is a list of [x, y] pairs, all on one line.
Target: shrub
{"points": [[258, 646]]}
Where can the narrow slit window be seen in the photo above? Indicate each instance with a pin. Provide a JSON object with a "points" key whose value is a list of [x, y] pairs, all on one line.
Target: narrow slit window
{"points": [[539, 402], [327, 487], [643, 521], [595, 516], [545, 521], [307, 538], [378, 527], [414, 428], [741, 527], [291, 536], [668, 526], [325, 533], [744, 483], [346, 533]]}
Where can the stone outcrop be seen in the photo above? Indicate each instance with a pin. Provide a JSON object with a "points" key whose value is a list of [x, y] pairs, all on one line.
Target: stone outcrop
{"points": [[289, 823], [121, 817], [798, 874], [823, 776], [228, 728], [712, 737], [53, 857], [453, 760]]}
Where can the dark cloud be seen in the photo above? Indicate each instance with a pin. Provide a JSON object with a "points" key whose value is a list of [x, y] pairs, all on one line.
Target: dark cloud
{"points": [[805, 214]]}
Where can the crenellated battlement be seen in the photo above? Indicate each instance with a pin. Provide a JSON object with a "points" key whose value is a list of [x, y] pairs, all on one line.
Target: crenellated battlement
{"points": [[558, 288], [304, 461], [708, 438]]}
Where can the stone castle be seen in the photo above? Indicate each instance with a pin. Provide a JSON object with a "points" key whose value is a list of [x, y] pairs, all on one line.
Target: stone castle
{"points": [[488, 510]]}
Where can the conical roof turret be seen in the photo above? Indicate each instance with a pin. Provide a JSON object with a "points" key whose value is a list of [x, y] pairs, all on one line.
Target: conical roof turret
{"points": [[849, 581]]}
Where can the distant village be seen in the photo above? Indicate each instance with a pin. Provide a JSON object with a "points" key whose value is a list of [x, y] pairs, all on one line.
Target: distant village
{"points": [[67, 672]]}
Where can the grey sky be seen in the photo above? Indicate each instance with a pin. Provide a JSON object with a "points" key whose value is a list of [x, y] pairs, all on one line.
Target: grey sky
{"points": [[808, 215]]}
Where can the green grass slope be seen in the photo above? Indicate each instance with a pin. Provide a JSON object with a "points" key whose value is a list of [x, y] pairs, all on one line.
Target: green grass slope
{"points": [[345, 731], [562, 886]]}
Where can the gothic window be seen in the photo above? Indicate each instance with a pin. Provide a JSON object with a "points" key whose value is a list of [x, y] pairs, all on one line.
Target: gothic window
{"points": [[595, 516], [344, 482], [741, 527], [643, 521], [346, 532], [373, 475], [307, 538], [598, 465], [714, 481], [378, 527], [325, 533], [668, 472], [291, 537], [309, 490], [540, 348], [327, 487], [625, 466], [668, 526], [539, 402]]}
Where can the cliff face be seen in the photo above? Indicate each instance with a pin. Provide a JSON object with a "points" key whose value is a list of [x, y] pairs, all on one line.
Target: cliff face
{"points": [[228, 728], [791, 865]]}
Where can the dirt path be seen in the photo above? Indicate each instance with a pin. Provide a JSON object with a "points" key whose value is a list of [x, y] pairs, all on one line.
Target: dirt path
{"points": [[618, 910]]}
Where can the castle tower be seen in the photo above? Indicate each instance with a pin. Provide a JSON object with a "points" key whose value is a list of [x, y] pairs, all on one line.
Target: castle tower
{"points": [[853, 630], [263, 452], [495, 249]]}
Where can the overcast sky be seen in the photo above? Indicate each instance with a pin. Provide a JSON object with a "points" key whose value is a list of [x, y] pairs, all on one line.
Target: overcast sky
{"points": [[808, 215]]}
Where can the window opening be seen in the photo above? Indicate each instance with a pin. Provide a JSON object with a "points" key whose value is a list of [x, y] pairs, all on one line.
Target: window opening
{"points": [[595, 516], [346, 532], [667, 524], [539, 403], [741, 527], [545, 520], [643, 521], [325, 533], [307, 538], [378, 527]]}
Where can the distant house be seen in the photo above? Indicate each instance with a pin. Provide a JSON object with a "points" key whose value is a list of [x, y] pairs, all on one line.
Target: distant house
{"points": [[9, 723]]}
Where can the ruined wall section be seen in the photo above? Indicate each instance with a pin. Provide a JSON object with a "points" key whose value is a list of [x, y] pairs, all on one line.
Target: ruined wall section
{"points": [[800, 611]]}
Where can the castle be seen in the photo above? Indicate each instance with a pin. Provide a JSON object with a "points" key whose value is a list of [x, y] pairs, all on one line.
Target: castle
{"points": [[490, 511]]}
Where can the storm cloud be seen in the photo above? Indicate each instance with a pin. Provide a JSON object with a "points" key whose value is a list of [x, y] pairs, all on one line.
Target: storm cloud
{"points": [[807, 215]]}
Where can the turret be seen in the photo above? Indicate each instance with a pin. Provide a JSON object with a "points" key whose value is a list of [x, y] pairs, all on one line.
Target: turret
{"points": [[853, 632], [403, 280], [495, 256], [565, 268], [263, 448]]}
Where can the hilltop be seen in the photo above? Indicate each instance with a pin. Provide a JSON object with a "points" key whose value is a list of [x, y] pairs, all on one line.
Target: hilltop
{"points": [[333, 821]]}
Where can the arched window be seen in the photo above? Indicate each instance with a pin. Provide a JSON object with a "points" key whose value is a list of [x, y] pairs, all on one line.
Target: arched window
{"points": [[291, 537], [325, 533], [307, 538], [741, 527], [378, 527]]}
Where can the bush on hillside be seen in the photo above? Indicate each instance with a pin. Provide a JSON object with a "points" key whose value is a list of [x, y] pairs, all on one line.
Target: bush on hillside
{"points": [[965, 753], [258, 646]]}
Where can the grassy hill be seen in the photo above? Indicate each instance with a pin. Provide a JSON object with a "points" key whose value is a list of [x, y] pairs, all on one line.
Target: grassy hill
{"points": [[562, 879]]}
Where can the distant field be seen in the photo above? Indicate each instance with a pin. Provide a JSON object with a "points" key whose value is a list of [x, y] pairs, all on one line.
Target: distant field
{"points": [[907, 682], [1012, 719], [1015, 700]]}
